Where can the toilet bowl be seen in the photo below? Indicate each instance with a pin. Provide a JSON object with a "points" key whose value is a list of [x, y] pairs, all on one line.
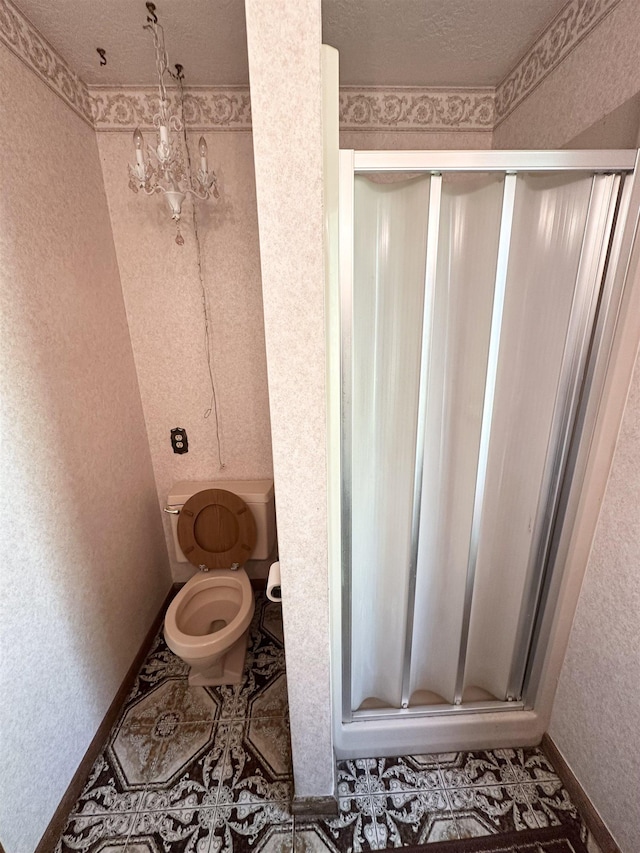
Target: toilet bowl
{"points": [[207, 623]]}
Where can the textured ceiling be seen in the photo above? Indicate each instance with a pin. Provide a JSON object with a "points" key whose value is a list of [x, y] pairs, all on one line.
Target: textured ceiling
{"points": [[381, 42], [208, 37], [432, 42]]}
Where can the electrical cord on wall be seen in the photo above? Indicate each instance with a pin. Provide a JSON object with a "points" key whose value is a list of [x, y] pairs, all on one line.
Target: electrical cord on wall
{"points": [[213, 404]]}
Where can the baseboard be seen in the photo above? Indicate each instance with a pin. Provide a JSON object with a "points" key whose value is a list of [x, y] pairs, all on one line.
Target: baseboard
{"points": [[595, 825], [58, 821], [313, 807]]}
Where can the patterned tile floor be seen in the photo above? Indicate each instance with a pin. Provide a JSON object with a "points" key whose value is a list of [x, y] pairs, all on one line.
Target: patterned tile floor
{"points": [[208, 770]]}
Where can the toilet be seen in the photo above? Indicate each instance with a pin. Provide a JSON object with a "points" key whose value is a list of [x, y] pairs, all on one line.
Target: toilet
{"points": [[217, 526]]}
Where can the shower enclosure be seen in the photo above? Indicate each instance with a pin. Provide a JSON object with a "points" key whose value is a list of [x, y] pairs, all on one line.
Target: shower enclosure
{"points": [[478, 300]]}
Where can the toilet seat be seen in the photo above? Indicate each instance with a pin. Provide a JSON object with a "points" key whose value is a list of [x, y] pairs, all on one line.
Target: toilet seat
{"points": [[216, 530]]}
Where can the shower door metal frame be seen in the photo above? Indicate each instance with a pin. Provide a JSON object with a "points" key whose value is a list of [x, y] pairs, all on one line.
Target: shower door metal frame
{"points": [[599, 287]]}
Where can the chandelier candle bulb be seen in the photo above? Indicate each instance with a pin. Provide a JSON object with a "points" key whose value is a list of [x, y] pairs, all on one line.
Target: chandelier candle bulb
{"points": [[164, 135], [202, 146], [138, 141]]}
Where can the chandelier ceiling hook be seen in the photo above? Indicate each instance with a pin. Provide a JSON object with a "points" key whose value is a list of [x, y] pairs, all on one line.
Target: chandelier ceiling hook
{"points": [[152, 18]]}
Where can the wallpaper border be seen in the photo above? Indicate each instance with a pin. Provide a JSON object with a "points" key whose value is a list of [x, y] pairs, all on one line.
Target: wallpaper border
{"points": [[210, 108], [205, 107], [415, 108], [565, 32], [23, 39]]}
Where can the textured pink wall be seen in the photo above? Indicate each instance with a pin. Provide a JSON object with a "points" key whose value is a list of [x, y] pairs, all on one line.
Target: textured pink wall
{"points": [[83, 568], [400, 140], [163, 301]]}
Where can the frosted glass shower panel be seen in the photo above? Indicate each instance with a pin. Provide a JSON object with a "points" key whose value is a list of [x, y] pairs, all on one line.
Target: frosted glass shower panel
{"points": [[466, 268], [479, 294], [547, 236], [388, 299]]}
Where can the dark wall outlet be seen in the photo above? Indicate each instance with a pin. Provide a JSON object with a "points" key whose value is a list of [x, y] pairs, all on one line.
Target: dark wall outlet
{"points": [[179, 440]]}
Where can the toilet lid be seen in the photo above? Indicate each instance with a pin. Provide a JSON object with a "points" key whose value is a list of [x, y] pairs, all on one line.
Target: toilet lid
{"points": [[216, 529]]}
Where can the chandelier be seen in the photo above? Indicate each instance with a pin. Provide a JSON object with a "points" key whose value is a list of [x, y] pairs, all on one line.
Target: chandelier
{"points": [[162, 169]]}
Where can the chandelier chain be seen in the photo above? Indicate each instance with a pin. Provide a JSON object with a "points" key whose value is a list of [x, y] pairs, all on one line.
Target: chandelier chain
{"points": [[213, 405], [162, 59]]}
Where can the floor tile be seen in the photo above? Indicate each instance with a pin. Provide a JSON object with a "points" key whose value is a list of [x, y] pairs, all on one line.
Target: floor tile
{"points": [[485, 810], [257, 764], [154, 742], [253, 826], [171, 702], [271, 620], [403, 773], [530, 764], [89, 833], [551, 803], [232, 705], [143, 845], [413, 818], [423, 762], [203, 703], [173, 831], [266, 626], [313, 837], [353, 776], [463, 769], [353, 829], [386, 775], [266, 667], [190, 776], [270, 740], [159, 664], [107, 791], [379, 822], [269, 700], [470, 826]]}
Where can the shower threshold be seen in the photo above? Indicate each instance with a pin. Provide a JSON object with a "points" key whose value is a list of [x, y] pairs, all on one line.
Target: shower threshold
{"points": [[438, 710]]}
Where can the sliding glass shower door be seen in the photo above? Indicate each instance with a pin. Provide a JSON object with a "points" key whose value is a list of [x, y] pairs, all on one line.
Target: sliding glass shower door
{"points": [[467, 327]]}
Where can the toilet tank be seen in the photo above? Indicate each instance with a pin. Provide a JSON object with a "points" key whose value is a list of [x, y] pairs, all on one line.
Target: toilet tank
{"points": [[258, 496]]}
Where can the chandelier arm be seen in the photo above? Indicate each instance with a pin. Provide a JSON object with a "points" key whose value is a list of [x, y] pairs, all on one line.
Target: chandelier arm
{"points": [[198, 193], [156, 188]]}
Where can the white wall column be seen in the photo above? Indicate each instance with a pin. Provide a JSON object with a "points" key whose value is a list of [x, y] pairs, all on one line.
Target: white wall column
{"points": [[284, 43]]}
